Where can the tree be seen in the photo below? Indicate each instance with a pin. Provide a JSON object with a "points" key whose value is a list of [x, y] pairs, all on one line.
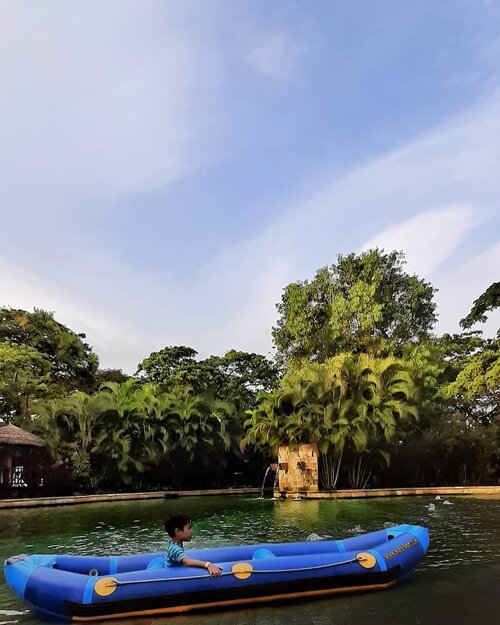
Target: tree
{"points": [[475, 389], [166, 365], [375, 396], [70, 427], [364, 303], [458, 399], [111, 375], [236, 377], [486, 302], [126, 433], [24, 375], [73, 363], [435, 364], [197, 420], [478, 385], [110, 438], [135, 436], [292, 414], [351, 406]]}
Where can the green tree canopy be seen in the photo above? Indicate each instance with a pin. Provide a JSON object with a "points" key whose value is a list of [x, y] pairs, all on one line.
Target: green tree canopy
{"points": [[125, 432], [486, 302], [435, 364], [111, 375], [478, 385], [360, 304], [351, 405], [236, 377], [24, 375], [73, 363], [168, 364], [239, 376]]}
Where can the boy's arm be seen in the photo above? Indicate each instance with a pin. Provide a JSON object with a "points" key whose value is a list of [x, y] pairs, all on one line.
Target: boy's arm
{"points": [[213, 569]]}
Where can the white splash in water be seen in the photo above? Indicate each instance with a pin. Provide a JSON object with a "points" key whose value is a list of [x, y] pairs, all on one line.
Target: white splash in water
{"points": [[13, 612]]}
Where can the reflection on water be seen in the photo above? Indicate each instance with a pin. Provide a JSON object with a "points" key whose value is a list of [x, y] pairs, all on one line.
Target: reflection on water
{"points": [[464, 553]]}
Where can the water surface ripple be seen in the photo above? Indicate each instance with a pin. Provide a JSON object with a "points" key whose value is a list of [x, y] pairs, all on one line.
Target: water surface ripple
{"points": [[463, 557]]}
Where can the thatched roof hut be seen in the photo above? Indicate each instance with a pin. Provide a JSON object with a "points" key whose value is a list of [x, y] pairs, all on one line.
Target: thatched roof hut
{"points": [[12, 435], [19, 459]]}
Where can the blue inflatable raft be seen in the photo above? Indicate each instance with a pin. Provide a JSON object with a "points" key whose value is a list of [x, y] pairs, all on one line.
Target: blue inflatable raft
{"points": [[82, 588]]}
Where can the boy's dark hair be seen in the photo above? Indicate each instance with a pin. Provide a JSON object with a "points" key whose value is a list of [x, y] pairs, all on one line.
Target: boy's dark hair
{"points": [[175, 520]]}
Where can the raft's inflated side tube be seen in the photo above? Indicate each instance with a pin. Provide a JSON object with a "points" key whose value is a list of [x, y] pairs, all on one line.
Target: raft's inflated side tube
{"points": [[87, 588]]}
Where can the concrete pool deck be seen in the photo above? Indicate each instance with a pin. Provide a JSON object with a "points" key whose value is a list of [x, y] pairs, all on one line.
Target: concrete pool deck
{"points": [[39, 502]]}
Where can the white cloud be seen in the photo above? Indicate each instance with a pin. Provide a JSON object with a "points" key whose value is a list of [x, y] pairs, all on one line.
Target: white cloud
{"points": [[24, 289], [105, 104], [454, 167], [275, 55], [428, 238], [231, 302], [98, 100], [462, 285]]}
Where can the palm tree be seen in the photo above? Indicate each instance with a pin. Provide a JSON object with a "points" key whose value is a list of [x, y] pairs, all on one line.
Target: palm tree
{"points": [[136, 438], [371, 396], [71, 426], [350, 405], [196, 420], [291, 415]]}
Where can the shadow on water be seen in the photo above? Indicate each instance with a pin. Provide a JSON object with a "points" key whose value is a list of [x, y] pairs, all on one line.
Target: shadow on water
{"points": [[458, 581]]}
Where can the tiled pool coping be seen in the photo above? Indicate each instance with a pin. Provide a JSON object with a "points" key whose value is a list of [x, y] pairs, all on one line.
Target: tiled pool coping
{"points": [[79, 499], [341, 494], [394, 492]]}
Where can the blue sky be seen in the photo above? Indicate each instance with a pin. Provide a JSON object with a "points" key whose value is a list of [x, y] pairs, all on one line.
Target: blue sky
{"points": [[166, 168]]}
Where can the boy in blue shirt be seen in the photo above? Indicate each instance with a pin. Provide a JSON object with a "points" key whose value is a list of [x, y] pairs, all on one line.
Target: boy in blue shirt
{"points": [[179, 528]]}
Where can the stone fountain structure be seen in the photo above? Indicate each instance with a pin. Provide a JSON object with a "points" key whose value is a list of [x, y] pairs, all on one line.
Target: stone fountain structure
{"points": [[298, 470]]}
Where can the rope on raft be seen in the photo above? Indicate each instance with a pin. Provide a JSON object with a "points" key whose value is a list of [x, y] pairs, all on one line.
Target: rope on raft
{"points": [[254, 571]]}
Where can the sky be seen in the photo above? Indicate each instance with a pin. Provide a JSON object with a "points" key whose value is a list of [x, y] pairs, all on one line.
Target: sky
{"points": [[167, 168]]}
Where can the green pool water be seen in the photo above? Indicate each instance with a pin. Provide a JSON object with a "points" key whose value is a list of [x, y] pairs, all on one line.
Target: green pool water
{"points": [[459, 581]]}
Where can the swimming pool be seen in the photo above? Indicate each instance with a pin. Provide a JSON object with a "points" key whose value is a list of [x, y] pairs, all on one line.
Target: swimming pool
{"points": [[458, 580]]}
